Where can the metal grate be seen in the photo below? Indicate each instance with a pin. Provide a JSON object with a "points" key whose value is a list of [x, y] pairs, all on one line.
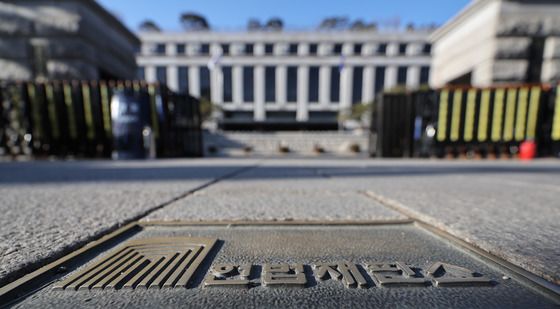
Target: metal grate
{"points": [[144, 263]]}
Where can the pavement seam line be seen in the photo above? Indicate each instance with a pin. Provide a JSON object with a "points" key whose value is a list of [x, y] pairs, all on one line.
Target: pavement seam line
{"points": [[19, 273], [440, 229]]}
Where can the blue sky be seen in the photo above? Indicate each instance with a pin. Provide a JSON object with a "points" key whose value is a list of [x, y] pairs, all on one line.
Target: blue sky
{"points": [[233, 14]]}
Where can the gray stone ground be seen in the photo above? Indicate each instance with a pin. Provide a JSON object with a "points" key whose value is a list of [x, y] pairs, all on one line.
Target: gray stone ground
{"points": [[508, 208], [50, 208]]}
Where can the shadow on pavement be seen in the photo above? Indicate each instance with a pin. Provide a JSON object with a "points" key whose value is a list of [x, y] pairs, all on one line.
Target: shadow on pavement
{"points": [[71, 172]]}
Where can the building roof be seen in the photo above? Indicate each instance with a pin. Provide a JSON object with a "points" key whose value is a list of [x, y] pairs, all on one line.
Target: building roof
{"points": [[95, 7], [115, 22], [472, 8]]}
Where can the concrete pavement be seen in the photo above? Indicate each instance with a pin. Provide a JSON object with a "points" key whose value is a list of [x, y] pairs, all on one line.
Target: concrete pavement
{"points": [[507, 208]]}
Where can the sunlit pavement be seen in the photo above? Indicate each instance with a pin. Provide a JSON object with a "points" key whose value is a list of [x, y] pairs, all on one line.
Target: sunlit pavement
{"points": [[507, 208]]}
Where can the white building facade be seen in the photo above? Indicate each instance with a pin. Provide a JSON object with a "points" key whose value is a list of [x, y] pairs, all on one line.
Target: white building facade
{"points": [[290, 79], [499, 41]]}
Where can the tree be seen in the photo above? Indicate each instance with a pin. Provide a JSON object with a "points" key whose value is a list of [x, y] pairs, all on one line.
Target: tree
{"points": [[410, 27], [334, 23], [274, 24], [254, 24], [149, 26], [194, 22], [358, 25]]}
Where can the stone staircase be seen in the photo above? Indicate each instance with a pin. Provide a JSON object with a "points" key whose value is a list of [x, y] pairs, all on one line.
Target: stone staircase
{"points": [[283, 143]]}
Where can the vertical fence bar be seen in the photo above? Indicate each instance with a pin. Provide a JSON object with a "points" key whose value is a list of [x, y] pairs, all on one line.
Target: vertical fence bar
{"points": [[105, 98], [442, 115], [469, 115], [456, 115], [51, 107], [532, 118], [510, 115], [484, 116], [88, 114], [498, 115], [521, 118], [555, 134]]}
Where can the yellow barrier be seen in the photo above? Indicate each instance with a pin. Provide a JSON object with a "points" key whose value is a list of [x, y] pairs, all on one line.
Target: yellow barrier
{"points": [[510, 114], [483, 116], [51, 108], [469, 115], [520, 124], [88, 115], [72, 127], [556, 119], [498, 115], [456, 115], [533, 112]]}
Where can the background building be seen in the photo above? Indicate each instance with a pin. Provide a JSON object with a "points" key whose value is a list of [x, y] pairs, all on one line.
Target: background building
{"points": [[496, 41], [285, 79], [63, 39]]}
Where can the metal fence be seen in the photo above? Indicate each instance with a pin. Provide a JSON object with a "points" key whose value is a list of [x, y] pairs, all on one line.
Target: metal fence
{"points": [[468, 121], [73, 118]]}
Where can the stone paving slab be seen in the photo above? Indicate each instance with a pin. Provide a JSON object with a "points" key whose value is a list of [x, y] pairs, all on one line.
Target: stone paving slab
{"points": [[508, 208], [360, 247], [251, 201], [48, 208]]}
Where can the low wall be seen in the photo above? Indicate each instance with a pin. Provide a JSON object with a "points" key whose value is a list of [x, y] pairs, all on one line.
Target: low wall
{"points": [[274, 143]]}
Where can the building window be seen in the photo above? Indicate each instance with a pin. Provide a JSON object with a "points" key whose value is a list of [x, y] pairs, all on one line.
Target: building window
{"points": [[225, 49], [379, 79], [313, 47], [424, 75], [180, 48], [358, 49], [204, 78], [248, 85], [183, 82], [248, 49], [159, 49], [140, 73], [357, 78], [227, 91], [291, 84], [382, 49], [161, 75], [401, 75], [269, 49], [337, 49], [427, 49], [402, 49], [270, 84], [293, 49], [335, 84], [313, 90], [204, 49]]}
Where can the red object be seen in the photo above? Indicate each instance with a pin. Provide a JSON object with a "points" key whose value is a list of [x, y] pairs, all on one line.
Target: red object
{"points": [[527, 150]]}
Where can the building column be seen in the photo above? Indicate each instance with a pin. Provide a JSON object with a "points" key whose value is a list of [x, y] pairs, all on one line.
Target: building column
{"points": [[324, 85], [259, 111], [390, 77], [302, 113], [172, 78], [368, 84], [216, 84], [194, 81], [150, 74], [346, 89], [413, 77], [237, 85], [281, 84]]}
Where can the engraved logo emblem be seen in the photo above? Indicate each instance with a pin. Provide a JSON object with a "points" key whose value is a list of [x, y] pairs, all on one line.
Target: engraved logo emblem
{"points": [[172, 261], [147, 263]]}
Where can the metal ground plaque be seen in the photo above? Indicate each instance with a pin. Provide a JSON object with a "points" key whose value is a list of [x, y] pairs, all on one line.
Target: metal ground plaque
{"points": [[231, 266]]}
